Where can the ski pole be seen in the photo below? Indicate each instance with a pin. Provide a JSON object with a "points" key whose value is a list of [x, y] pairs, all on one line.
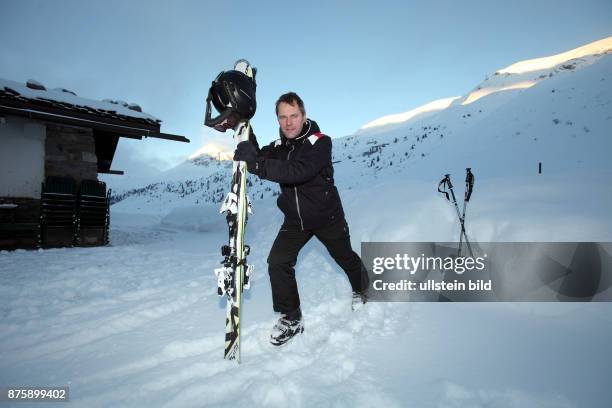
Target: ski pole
{"points": [[446, 182], [469, 186]]}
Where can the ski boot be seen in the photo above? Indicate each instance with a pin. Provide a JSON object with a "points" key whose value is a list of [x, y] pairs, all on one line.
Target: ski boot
{"points": [[288, 326], [358, 301]]}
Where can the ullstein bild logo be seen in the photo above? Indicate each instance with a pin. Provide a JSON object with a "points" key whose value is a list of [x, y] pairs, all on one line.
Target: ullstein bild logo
{"points": [[523, 272]]}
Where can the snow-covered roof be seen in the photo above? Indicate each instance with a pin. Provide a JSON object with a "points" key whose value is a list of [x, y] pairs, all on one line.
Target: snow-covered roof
{"points": [[34, 94]]}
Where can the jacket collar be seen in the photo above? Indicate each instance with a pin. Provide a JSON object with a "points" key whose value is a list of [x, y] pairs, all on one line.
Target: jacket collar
{"points": [[310, 128]]}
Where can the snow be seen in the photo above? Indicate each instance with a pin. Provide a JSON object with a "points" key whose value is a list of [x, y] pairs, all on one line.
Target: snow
{"points": [[213, 150], [482, 92], [597, 47], [138, 323], [61, 95], [144, 327], [526, 74], [404, 117]]}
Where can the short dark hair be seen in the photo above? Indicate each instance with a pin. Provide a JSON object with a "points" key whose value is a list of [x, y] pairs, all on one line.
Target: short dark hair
{"points": [[291, 98]]}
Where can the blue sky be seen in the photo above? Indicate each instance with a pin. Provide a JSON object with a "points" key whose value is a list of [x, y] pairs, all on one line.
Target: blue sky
{"points": [[351, 61]]}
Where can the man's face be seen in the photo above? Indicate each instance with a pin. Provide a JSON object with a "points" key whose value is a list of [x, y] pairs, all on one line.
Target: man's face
{"points": [[290, 119]]}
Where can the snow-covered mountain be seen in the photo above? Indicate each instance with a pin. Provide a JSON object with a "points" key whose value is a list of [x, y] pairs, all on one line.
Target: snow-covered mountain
{"points": [[553, 110]]}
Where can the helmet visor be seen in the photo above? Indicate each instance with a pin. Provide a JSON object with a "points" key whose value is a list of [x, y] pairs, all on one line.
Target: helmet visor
{"points": [[228, 122]]}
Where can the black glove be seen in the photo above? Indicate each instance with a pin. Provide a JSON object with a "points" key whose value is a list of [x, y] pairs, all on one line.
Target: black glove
{"points": [[253, 138], [246, 152]]}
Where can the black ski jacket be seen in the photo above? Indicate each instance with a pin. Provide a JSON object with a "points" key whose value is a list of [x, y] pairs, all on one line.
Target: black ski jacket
{"points": [[303, 168]]}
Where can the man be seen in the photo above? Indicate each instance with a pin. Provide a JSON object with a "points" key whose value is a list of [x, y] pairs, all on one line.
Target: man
{"points": [[300, 161]]}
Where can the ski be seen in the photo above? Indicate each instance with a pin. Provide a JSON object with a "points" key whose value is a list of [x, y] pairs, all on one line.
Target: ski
{"points": [[235, 272], [233, 277]]}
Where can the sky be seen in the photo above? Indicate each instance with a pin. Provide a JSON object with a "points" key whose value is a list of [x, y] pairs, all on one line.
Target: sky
{"points": [[351, 61]]}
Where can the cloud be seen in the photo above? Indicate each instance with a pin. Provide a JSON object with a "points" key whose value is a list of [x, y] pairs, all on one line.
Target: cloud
{"points": [[133, 158], [212, 142]]}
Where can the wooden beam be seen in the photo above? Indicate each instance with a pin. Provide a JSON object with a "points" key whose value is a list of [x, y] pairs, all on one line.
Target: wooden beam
{"points": [[119, 130], [119, 172], [168, 136]]}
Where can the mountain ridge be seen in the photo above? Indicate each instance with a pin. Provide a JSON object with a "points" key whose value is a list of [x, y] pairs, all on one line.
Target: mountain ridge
{"points": [[533, 123]]}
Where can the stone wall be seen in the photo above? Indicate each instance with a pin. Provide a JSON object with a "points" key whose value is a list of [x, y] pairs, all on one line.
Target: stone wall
{"points": [[70, 151]]}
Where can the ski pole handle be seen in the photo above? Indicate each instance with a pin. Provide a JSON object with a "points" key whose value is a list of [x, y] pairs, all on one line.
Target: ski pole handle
{"points": [[443, 183], [448, 181], [469, 183]]}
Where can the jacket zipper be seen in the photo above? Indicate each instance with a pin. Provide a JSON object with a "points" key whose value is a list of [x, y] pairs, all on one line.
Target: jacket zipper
{"points": [[297, 202]]}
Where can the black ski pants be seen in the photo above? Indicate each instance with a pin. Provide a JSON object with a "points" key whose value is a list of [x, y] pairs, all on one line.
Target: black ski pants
{"points": [[284, 253]]}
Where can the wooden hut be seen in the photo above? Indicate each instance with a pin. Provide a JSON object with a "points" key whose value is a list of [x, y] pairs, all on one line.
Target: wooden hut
{"points": [[53, 145]]}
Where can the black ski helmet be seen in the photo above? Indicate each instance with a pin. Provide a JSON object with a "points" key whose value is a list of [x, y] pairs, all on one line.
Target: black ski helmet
{"points": [[233, 95]]}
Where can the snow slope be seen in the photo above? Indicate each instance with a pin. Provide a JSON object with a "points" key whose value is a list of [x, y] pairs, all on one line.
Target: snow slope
{"points": [[139, 324]]}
